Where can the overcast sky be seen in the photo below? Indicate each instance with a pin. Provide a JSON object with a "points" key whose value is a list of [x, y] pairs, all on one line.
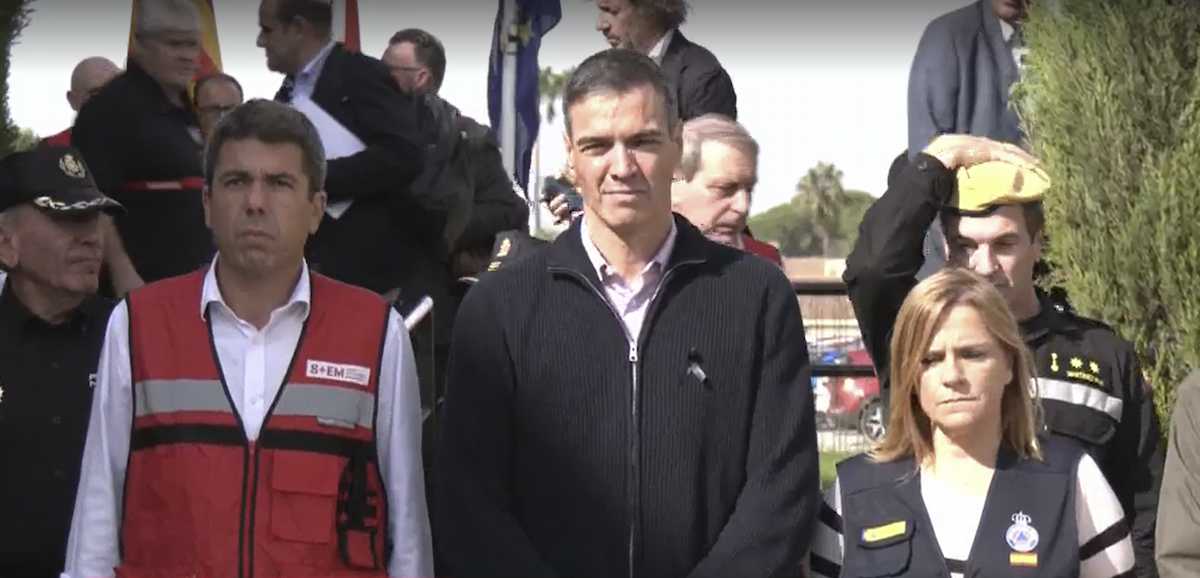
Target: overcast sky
{"points": [[817, 80]]}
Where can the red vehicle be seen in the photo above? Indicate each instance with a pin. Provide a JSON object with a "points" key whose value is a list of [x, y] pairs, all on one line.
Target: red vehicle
{"points": [[855, 401]]}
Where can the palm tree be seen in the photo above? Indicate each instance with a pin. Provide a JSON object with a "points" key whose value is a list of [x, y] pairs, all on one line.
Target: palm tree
{"points": [[821, 191], [550, 88]]}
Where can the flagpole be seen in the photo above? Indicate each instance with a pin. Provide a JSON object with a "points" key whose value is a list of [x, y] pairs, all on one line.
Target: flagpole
{"points": [[508, 91]]}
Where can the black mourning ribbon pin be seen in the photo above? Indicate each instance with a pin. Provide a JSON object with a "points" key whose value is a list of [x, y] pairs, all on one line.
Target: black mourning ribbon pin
{"points": [[694, 367]]}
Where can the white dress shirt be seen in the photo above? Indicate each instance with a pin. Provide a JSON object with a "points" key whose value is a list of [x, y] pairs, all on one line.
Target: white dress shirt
{"points": [[305, 81], [1015, 43], [660, 48], [631, 300], [254, 363]]}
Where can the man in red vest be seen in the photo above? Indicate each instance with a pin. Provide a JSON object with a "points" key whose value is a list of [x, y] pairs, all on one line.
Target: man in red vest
{"points": [[275, 412]]}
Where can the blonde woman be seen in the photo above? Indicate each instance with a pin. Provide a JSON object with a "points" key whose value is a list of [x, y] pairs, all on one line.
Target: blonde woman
{"points": [[962, 485]]}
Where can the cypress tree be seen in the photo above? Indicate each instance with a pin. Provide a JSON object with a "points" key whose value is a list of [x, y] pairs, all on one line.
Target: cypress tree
{"points": [[14, 16], [1110, 99]]}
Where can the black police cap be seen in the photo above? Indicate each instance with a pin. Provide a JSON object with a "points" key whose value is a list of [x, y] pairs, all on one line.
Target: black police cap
{"points": [[54, 179]]}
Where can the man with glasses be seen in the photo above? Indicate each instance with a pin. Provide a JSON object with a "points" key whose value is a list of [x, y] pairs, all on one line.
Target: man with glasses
{"points": [[142, 141], [215, 95]]}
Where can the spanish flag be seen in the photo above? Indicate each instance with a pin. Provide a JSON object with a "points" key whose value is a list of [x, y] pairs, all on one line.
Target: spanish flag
{"points": [[210, 56], [345, 24]]}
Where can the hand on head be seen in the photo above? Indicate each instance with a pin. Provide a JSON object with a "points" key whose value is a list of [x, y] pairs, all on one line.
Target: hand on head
{"points": [[957, 151]]}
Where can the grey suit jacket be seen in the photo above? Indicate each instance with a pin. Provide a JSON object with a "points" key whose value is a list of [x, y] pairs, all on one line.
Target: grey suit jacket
{"points": [[1177, 536], [960, 80]]}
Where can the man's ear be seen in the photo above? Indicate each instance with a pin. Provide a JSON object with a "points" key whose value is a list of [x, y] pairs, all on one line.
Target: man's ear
{"points": [[206, 200], [319, 202]]}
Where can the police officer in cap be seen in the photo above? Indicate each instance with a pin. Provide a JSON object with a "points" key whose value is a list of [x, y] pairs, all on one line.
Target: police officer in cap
{"points": [[988, 196], [51, 329]]}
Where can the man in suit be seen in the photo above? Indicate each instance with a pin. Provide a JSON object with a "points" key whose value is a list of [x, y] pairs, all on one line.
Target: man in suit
{"points": [[1177, 536], [380, 240], [965, 66], [694, 76]]}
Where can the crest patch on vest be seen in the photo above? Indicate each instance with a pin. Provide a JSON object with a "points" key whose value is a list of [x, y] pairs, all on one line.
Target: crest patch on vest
{"points": [[342, 372], [1022, 536], [881, 533]]}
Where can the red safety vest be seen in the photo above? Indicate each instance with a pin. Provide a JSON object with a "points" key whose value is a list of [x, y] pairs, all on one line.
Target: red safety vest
{"points": [[305, 498]]}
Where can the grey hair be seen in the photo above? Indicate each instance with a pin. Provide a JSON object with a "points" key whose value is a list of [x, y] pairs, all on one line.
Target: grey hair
{"points": [[712, 127], [617, 70], [669, 14], [271, 123], [157, 16]]}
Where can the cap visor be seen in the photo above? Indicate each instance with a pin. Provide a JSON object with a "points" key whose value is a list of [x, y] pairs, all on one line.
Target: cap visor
{"points": [[77, 201]]}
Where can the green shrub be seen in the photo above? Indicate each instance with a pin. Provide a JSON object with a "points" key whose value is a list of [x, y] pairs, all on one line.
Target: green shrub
{"points": [[1110, 99], [14, 15]]}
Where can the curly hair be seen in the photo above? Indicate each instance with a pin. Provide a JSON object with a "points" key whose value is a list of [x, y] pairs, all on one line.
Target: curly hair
{"points": [[669, 13]]}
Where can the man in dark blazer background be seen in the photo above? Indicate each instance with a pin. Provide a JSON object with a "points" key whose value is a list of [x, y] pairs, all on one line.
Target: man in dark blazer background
{"points": [[695, 77], [381, 241], [962, 73]]}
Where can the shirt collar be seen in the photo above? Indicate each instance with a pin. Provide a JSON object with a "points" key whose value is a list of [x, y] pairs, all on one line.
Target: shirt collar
{"points": [[301, 293], [313, 69], [660, 48], [600, 264], [1007, 30]]}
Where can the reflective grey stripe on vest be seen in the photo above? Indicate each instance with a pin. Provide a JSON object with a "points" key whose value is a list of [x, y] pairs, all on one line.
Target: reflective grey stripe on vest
{"points": [[1080, 394], [336, 406]]}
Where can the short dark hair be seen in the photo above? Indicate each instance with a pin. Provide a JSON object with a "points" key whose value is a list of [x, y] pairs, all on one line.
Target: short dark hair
{"points": [[1035, 218], [214, 77], [1034, 213], [271, 123], [618, 70], [317, 12], [667, 13], [428, 50]]}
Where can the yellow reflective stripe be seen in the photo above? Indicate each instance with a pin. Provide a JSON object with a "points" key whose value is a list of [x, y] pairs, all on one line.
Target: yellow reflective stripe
{"points": [[885, 531], [1023, 559]]}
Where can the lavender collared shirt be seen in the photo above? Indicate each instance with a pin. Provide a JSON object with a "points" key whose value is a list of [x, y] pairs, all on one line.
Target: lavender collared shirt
{"points": [[630, 299]]}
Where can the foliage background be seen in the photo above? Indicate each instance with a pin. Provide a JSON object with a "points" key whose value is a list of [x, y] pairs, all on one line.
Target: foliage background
{"points": [[14, 16], [1110, 100]]}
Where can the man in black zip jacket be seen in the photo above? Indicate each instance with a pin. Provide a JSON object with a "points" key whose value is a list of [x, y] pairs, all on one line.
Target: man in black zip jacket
{"points": [[633, 400], [988, 196]]}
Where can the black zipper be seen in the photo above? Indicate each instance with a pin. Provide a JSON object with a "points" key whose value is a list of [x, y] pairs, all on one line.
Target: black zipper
{"points": [[634, 473]]}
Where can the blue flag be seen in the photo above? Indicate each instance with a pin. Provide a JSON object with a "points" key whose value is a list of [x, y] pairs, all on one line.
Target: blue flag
{"points": [[535, 18]]}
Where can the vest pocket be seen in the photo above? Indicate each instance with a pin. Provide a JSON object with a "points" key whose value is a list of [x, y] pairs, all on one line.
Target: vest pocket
{"points": [[883, 549], [304, 491]]}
